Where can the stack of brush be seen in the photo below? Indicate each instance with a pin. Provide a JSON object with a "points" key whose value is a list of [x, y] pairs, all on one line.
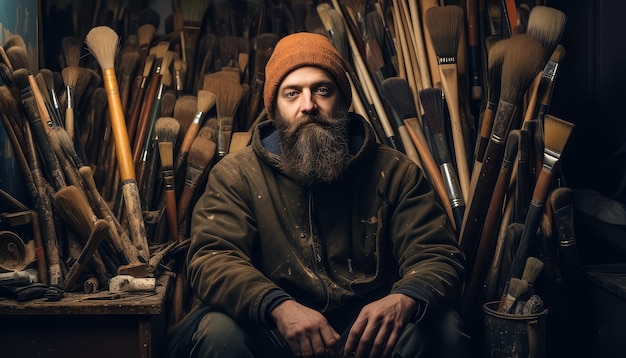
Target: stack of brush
{"points": [[126, 124]]}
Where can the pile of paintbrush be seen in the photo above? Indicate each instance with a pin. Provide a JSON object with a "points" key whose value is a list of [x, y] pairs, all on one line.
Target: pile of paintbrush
{"points": [[135, 128]]}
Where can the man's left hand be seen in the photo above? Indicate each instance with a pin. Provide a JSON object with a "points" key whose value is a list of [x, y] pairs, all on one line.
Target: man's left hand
{"points": [[379, 325]]}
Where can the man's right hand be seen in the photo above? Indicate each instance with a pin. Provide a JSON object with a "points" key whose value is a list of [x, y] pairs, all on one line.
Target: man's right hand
{"points": [[307, 331]]}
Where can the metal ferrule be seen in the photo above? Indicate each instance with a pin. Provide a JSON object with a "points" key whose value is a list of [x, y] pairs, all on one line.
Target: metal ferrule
{"points": [[69, 94], [451, 182], [549, 71], [502, 121], [198, 117]]}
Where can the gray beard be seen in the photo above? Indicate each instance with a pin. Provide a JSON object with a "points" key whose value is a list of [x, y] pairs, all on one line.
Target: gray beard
{"points": [[317, 152]]}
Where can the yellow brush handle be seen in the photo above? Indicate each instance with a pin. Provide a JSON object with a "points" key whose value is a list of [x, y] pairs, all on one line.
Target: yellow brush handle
{"points": [[118, 125]]}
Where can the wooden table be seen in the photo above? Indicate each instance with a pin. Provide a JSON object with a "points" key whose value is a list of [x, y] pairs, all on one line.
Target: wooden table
{"points": [[82, 325]]}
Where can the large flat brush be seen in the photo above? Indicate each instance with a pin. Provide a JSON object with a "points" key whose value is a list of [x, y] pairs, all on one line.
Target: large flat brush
{"points": [[103, 42], [167, 132], [556, 134], [445, 24], [523, 60]]}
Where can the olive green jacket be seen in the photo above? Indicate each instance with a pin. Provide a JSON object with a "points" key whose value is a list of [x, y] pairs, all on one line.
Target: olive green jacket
{"points": [[257, 233]]}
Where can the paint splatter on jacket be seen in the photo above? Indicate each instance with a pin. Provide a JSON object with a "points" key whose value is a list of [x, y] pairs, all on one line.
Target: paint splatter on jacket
{"points": [[257, 236]]}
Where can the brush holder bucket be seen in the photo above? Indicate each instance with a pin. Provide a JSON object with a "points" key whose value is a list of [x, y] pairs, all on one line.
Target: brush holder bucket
{"points": [[512, 335]]}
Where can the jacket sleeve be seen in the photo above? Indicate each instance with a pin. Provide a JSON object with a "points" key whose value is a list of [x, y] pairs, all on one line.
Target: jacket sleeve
{"points": [[219, 257], [430, 261]]}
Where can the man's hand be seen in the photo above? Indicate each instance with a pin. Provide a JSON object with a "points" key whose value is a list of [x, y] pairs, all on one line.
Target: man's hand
{"points": [[306, 331], [379, 325]]}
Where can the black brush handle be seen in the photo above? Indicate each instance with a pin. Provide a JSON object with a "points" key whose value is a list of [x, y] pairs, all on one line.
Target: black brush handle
{"points": [[533, 219], [568, 249]]}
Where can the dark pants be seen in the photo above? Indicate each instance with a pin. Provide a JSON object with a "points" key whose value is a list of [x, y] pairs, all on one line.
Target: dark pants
{"points": [[439, 334]]}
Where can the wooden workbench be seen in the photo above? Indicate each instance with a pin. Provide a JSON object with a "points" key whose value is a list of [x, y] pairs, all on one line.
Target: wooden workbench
{"points": [[80, 325]]}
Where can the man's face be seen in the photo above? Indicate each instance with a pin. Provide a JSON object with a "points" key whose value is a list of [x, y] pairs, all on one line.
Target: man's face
{"points": [[312, 126]]}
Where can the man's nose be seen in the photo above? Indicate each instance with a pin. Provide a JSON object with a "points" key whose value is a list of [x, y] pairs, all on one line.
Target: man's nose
{"points": [[308, 103]]}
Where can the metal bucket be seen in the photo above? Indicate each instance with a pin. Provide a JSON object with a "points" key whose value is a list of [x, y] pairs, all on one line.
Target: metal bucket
{"points": [[514, 336]]}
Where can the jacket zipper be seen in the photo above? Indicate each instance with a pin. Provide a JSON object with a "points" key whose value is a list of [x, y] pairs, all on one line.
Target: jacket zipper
{"points": [[313, 253]]}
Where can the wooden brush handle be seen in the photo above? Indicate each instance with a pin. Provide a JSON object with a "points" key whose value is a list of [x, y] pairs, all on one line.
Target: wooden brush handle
{"points": [[170, 209], [43, 206], [422, 58], [431, 167], [40, 254], [99, 231], [133, 116], [125, 165], [485, 130], [449, 82], [144, 117], [184, 203]]}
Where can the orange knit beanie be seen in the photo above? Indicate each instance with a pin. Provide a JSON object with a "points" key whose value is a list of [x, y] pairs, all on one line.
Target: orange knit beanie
{"points": [[299, 50]]}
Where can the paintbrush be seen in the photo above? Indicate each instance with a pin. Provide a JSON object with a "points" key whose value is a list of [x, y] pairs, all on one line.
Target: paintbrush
{"points": [[391, 86], [201, 153], [20, 77], [207, 48], [148, 21], [523, 187], [129, 61], [102, 42], [546, 24], [206, 101], [72, 206], [135, 109], [434, 114], [119, 239], [5, 59], [562, 206], [228, 97], [42, 87], [556, 134], [445, 24], [494, 68], [192, 13], [43, 205], [516, 288], [262, 47], [546, 84], [161, 63], [532, 269], [522, 61], [167, 132], [48, 79], [98, 233], [487, 252], [406, 51]]}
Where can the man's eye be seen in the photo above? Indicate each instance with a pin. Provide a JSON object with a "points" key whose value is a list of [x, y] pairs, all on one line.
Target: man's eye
{"points": [[291, 94], [325, 91]]}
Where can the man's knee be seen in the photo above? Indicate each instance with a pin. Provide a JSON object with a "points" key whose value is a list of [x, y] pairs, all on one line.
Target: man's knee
{"points": [[216, 333]]}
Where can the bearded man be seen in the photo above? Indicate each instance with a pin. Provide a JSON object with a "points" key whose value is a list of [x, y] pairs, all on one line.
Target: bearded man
{"points": [[316, 240]]}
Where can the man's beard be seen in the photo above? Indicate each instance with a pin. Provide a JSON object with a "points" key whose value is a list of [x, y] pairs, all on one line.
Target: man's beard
{"points": [[316, 152]]}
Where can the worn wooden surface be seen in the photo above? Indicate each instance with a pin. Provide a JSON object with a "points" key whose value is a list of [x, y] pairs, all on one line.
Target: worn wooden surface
{"points": [[100, 303]]}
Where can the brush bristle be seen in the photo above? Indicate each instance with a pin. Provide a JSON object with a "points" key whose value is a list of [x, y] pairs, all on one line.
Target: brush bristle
{"points": [[103, 42], [209, 129], [184, 111], [532, 269], [160, 49], [43, 87], [445, 24], [558, 54], [20, 78], [8, 102], [546, 24], [494, 69], [556, 133], [18, 58], [148, 16], [399, 94], [228, 98], [67, 145], [168, 101], [166, 129], [71, 50], [510, 148], [193, 11], [434, 109], [524, 58], [144, 35], [201, 153], [517, 287], [72, 205], [206, 100], [561, 197], [14, 40], [129, 63]]}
